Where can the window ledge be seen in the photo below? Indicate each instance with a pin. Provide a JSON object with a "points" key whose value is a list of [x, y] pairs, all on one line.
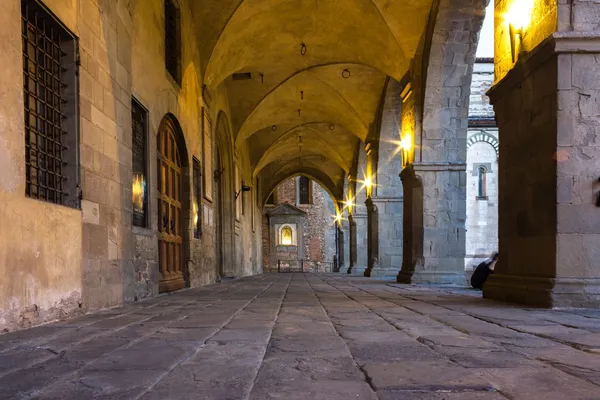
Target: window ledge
{"points": [[138, 230], [483, 198]]}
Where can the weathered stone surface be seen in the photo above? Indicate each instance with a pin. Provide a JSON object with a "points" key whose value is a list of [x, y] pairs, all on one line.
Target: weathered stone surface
{"points": [[424, 375], [459, 395], [390, 352]]}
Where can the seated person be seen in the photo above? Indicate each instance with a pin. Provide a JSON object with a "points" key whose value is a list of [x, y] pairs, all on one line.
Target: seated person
{"points": [[483, 271]]}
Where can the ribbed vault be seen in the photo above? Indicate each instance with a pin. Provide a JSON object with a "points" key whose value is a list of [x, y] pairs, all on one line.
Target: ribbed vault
{"points": [[304, 78]]}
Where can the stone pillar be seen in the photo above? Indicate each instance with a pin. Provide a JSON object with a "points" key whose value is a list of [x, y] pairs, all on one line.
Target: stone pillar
{"points": [[548, 112], [434, 200], [340, 245], [372, 236], [434, 225], [352, 240]]}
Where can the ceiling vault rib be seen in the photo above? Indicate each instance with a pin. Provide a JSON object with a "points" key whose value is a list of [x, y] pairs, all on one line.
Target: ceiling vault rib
{"points": [[307, 69], [389, 28], [219, 37], [262, 163], [344, 98]]}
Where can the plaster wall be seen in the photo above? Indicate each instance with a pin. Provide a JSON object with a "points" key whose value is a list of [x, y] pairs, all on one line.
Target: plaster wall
{"points": [[40, 243]]}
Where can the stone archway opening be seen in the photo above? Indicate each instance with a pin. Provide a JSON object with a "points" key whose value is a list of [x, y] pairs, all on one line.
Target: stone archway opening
{"points": [[301, 228]]}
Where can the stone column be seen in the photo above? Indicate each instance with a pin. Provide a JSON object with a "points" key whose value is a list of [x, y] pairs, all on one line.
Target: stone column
{"points": [[434, 201], [548, 112], [434, 232], [352, 240], [340, 245], [372, 236]]}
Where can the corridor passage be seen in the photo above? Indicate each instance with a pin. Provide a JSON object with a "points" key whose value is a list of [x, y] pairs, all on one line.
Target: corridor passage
{"points": [[308, 337]]}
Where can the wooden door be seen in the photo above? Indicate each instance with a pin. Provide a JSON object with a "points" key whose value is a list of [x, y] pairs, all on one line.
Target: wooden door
{"points": [[170, 240]]}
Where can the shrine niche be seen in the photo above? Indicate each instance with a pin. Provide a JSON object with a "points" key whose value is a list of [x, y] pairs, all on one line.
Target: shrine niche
{"points": [[286, 234]]}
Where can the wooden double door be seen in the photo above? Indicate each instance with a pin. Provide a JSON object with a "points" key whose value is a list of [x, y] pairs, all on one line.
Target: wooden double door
{"points": [[170, 211]]}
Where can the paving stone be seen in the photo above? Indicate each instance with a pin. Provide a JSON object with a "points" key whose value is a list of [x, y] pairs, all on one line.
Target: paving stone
{"points": [[116, 384], [238, 353], [314, 390], [414, 395], [282, 369], [457, 340], [258, 335], [484, 358], [146, 354], [313, 345], [545, 383], [367, 353], [22, 357], [425, 376], [28, 380]]}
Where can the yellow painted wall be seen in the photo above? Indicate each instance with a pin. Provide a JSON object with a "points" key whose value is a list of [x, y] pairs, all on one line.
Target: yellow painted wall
{"points": [[542, 22]]}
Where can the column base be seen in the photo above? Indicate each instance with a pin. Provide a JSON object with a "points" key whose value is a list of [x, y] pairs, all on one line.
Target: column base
{"points": [[433, 278], [544, 292]]}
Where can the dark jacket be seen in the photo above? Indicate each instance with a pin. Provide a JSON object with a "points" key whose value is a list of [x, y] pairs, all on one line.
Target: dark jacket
{"points": [[481, 274]]}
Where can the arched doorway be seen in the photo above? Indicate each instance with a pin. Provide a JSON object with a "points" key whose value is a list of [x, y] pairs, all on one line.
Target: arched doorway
{"points": [[172, 206]]}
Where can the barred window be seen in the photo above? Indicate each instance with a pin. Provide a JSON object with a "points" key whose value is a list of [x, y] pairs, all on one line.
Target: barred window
{"points": [[173, 40], [197, 206], [50, 102]]}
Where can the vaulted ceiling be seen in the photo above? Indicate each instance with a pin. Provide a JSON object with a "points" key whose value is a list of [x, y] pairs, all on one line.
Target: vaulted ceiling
{"points": [[312, 75]]}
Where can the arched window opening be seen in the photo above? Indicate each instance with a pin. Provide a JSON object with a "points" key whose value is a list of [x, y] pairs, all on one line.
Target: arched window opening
{"points": [[286, 236], [482, 183], [304, 190]]}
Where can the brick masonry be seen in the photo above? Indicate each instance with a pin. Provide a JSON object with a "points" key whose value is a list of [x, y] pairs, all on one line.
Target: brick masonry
{"points": [[318, 230]]}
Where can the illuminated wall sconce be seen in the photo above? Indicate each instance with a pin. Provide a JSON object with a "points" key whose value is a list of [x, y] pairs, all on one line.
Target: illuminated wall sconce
{"points": [[405, 146], [516, 35], [518, 18]]}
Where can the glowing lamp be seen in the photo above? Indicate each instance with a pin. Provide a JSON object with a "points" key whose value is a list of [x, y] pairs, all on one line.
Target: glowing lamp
{"points": [[518, 18], [195, 214], [406, 143]]}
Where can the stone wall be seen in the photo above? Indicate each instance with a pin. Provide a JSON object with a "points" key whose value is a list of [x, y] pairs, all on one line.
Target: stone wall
{"points": [[62, 261], [318, 229]]}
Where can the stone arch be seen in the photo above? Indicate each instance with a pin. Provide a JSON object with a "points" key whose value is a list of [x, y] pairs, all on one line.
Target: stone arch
{"points": [[169, 122], [314, 175], [445, 75], [224, 197], [436, 106], [484, 137]]}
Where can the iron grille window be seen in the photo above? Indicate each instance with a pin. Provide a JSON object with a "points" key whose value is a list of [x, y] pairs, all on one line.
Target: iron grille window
{"points": [[197, 208], [139, 144], [304, 190], [50, 102], [173, 40]]}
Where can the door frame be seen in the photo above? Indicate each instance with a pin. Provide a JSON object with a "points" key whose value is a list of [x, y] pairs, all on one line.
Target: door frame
{"points": [[169, 120]]}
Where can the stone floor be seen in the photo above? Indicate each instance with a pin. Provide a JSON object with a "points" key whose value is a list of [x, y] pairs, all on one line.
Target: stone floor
{"points": [[315, 337]]}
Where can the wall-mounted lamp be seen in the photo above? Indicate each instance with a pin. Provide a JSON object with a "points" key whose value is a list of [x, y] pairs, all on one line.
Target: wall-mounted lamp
{"points": [[405, 145], [518, 18], [245, 188]]}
